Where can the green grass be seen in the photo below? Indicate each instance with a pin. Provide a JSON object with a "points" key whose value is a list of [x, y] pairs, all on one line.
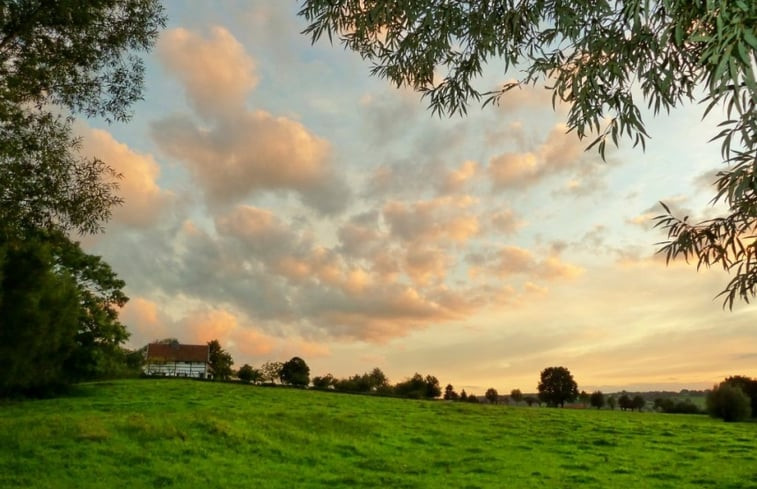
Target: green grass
{"points": [[175, 433]]}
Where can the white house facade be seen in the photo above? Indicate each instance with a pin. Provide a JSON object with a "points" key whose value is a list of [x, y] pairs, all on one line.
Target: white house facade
{"points": [[177, 360]]}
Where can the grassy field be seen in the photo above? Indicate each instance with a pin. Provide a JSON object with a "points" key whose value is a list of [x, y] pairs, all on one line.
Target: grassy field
{"points": [[175, 433]]}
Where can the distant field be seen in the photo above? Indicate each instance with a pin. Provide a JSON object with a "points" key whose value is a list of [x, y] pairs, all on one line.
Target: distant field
{"points": [[190, 434]]}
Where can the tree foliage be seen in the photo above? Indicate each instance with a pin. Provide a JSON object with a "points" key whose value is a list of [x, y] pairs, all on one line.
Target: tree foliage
{"points": [[220, 361], [418, 387], [728, 402], [516, 395], [597, 399], [247, 373], [605, 59], [80, 56], [450, 394], [271, 371], [492, 395], [295, 372], [58, 314], [556, 386], [749, 386]]}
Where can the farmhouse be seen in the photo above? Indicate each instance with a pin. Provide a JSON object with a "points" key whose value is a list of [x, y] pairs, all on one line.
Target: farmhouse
{"points": [[177, 360]]}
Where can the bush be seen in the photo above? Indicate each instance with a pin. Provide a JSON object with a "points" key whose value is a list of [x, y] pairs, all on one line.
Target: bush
{"points": [[728, 402]]}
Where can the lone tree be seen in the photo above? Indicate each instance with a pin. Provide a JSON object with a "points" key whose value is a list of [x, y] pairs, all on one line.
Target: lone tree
{"points": [[220, 361], [492, 395], [516, 395], [597, 399], [557, 386], [604, 60], [295, 372]]}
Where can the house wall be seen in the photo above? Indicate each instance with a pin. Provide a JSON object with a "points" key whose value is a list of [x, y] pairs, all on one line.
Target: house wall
{"points": [[177, 369]]}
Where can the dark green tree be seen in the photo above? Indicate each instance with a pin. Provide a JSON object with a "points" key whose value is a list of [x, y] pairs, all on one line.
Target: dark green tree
{"points": [[418, 387], [728, 402], [597, 399], [612, 402], [584, 397], [492, 395], [472, 398], [39, 319], [531, 400], [605, 60], [295, 372], [625, 402], [638, 402], [220, 361], [324, 382], [247, 374], [88, 348], [749, 386], [81, 56], [556, 386], [450, 394], [463, 395], [516, 395]]}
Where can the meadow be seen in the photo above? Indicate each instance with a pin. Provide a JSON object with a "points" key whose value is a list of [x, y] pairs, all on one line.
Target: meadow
{"points": [[192, 434]]}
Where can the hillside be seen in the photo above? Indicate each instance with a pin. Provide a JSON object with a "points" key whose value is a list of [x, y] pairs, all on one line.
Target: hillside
{"points": [[175, 433]]}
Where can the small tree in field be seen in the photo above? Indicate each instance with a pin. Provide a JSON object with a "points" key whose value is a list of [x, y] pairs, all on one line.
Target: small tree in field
{"points": [[597, 399], [638, 402], [492, 395], [516, 395], [557, 386], [450, 394], [220, 361], [612, 402], [295, 372], [625, 402], [463, 395], [728, 402], [531, 400], [248, 374]]}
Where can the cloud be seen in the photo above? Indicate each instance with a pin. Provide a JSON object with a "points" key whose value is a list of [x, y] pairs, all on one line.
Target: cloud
{"points": [[240, 152], [216, 72], [144, 200], [456, 180], [443, 218], [560, 152]]}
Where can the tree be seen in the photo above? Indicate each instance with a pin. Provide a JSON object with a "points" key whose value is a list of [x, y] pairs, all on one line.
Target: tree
{"points": [[248, 374], [418, 387], [463, 395], [80, 56], [48, 337], [584, 397], [728, 402], [220, 361], [516, 395], [638, 402], [625, 402], [597, 57], [492, 395], [557, 386], [531, 400], [612, 402], [324, 382], [597, 399], [749, 386], [271, 371], [450, 394], [295, 372], [472, 398]]}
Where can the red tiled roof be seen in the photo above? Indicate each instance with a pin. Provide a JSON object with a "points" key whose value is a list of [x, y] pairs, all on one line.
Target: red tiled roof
{"points": [[177, 353]]}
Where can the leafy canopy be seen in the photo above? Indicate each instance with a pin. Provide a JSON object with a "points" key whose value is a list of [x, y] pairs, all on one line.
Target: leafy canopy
{"points": [[58, 59], [596, 56]]}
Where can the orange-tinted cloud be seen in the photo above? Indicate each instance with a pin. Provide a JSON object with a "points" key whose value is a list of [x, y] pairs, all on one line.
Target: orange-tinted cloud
{"points": [[143, 198], [216, 72]]}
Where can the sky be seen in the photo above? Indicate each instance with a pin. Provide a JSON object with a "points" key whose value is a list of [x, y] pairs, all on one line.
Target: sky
{"points": [[284, 202]]}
